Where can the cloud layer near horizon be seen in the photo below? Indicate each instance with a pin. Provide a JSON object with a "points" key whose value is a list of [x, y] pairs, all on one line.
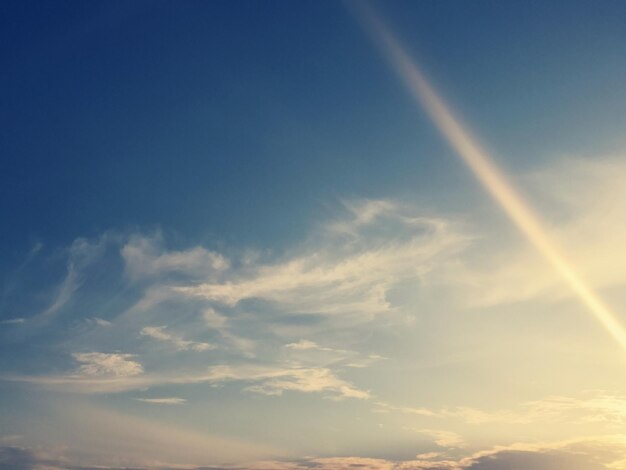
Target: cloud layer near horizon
{"points": [[602, 453], [375, 295]]}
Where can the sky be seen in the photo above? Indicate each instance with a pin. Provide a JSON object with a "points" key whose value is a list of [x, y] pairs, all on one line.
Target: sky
{"points": [[313, 235]]}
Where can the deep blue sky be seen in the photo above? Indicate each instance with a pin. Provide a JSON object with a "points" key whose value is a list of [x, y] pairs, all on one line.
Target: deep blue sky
{"points": [[233, 122]]}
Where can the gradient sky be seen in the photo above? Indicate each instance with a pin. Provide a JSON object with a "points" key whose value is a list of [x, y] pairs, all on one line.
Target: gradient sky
{"points": [[232, 238]]}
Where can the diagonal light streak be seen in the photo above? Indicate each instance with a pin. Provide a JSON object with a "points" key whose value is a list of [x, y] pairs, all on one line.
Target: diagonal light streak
{"points": [[486, 171]]}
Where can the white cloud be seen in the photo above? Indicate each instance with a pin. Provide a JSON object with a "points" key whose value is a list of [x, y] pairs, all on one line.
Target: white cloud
{"points": [[12, 321], [345, 271], [101, 321], [275, 381], [594, 407], [96, 364], [363, 212], [163, 401], [308, 345], [220, 324], [303, 344], [214, 320], [110, 373], [353, 269], [82, 253], [310, 352], [381, 407], [159, 333], [145, 257], [443, 438]]}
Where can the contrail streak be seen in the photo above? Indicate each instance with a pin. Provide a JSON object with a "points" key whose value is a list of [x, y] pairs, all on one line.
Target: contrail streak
{"points": [[486, 171]]}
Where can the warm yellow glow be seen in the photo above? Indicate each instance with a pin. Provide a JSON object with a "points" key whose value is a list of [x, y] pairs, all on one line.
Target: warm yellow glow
{"points": [[488, 174]]}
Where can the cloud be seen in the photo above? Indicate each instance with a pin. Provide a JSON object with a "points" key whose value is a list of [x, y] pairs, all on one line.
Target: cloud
{"points": [[82, 253], [598, 406], [443, 438], [303, 344], [95, 364], [99, 321], [597, 453], [145, 257], [352, 271], [310, 352], [381, 407], [584, 197], [275, 381], [109, 373], [163, 401], [586, 454], [363, 212], [15, 458], [593, 407], [593, 453], [308, 345], [220, 323], [12, 321], [158, 333], [345, 272]]}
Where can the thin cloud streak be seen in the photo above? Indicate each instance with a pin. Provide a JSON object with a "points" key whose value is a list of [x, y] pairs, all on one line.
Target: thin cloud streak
{"points": [[592, 407], [486, 171], [351, 274], [163, 401], [118, 374], [159, 333]]}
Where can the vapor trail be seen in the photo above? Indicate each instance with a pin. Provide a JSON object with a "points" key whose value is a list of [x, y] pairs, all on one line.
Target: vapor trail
{"points": [[486, 171]]}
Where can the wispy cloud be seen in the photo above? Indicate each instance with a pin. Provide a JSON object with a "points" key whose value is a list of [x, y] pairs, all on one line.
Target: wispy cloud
{"points": [[345, 271], [275, 381], [163, 401], [442, 438], [307, 351], [586, 198], [146, 257], [303, 345], [596, 406], [220, 323], [354, 269], [109, 373], [82, 253], [94, 364], [159, 333], [99, 321]]}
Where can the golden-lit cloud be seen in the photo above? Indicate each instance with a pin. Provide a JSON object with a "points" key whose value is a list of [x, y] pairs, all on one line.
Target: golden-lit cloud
{"points": [[362, 257]]}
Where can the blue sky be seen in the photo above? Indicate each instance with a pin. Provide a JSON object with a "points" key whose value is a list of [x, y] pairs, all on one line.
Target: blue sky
{"points": [[233, 238]]}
